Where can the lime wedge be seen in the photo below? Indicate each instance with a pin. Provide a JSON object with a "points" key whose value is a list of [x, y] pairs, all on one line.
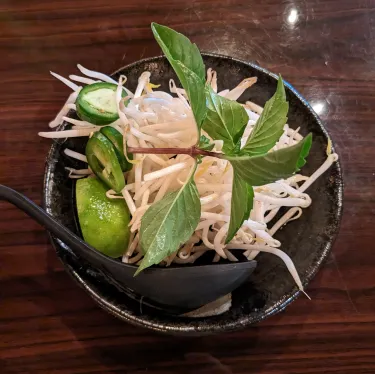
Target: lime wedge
{"points": [[104, 222]]}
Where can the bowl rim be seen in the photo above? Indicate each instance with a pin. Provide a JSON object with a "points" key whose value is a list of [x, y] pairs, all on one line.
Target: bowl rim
{"points": [[192, 327]]}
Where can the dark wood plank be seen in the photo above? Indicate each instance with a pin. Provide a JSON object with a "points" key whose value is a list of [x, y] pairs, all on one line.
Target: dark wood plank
{"points": [[49, 325]]}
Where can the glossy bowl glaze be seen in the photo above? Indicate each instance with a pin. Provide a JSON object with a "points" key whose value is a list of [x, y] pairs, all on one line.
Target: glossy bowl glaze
{"points": [[270, 288]]}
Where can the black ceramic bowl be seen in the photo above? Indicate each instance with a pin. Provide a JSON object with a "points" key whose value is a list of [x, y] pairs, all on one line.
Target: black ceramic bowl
{"points": [[270, 288]]}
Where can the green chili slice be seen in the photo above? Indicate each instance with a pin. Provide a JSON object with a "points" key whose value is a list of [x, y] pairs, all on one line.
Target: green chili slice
{"points": [[118, 141], [102, 158], [96, 103]]}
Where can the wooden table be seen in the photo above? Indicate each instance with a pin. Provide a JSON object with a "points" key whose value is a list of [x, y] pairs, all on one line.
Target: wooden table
{"points": [[325, 48]]}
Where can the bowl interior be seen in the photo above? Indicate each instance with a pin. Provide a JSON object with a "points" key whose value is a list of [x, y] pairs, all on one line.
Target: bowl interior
{"points": [[307, 241]]}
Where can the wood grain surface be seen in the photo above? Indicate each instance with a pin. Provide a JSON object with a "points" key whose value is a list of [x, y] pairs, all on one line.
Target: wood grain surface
{"points": [[325, 48]]}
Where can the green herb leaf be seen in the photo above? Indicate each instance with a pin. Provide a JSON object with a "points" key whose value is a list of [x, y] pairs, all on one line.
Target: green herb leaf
{"points": [[259, 170], [226, 120], [187, 62], [194, 90], [270, 124], [178, 47], [169, 223], [205, 143], [241, 205]]}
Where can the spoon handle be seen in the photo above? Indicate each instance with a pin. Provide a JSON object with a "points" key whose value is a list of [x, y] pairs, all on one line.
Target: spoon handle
{"points": [[43, 218]]}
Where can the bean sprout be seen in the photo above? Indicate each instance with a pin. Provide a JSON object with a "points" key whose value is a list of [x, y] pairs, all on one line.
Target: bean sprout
{"points": [[287, 260], [240, 89], [70, 84], [64, 110], [67, 133], [101, 77], [254, 107], [79, 123], [166, 171], [82, 79], [76, 155], [78, 173]]}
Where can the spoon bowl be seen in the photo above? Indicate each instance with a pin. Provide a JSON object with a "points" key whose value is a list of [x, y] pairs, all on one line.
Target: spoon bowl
{"points": [[177, 289]]}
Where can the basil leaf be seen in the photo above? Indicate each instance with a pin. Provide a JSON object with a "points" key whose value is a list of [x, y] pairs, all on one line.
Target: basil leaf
{"points": [[241, 205], [194, 90], [270, 124], [259, 170], [187, 62], [226, 120], [178, 47], [205, 144], [169, 223]]}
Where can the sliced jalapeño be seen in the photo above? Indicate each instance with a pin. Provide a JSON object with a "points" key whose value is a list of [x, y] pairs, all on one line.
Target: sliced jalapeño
{"points": [[103, 161], [118, 141], [96, 103]]}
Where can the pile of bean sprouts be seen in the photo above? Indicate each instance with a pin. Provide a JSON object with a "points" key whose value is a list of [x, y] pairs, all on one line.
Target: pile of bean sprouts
{"points": [[158, 119]]}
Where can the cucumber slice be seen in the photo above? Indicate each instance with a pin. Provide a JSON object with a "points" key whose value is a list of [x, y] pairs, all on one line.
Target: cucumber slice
{"points": [[104, 222], [96, 103]]}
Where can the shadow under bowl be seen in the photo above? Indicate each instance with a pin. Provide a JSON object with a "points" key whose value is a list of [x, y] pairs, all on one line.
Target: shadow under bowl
{"points": [[269, 288]]}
